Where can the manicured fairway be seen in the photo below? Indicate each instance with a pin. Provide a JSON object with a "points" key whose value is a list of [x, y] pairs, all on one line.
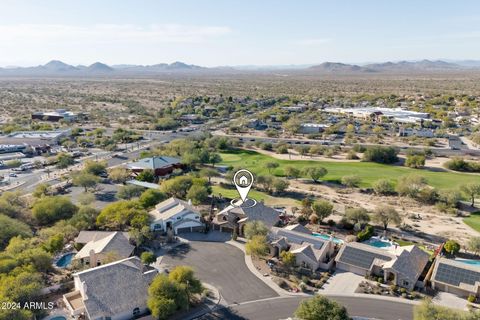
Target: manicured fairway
{"points": [[367, 171], [257, 195], [473, 221]]}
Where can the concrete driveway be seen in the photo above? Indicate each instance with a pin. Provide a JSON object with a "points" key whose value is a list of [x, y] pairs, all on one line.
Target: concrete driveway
{"points": [[342, 283], [222, 266]]}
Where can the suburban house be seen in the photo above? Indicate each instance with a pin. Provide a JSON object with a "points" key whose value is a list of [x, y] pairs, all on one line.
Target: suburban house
{"points": [[160, 165], [310, 251], [55, 116], [86, 236], [115, 291], [234, 217], [177, 215], [456, 277], [401, 265], [256, 124], [104, 246]]}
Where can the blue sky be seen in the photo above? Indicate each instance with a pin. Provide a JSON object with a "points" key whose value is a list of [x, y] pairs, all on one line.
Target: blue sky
{"points": [[236, 32]]}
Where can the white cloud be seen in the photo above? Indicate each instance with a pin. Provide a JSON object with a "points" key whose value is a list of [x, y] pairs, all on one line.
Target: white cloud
{"points": [[312, 41], [25, 34]]}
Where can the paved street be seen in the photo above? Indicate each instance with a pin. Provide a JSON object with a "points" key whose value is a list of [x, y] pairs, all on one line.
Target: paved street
{"points": [[283, 308], [226, 271]]}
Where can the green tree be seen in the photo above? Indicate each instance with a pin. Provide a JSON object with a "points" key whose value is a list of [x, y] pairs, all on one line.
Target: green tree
{"points": [[64, 160], [321, 308], [357, 215], [257, 246], [10, 228], [214, 158], [292, 125], [85, 180], [53, 208], [209, 173], [41, 190], [95, 167], [383, 187], [292, 172], [151, 197], [315, 173], [147, 175], [351, 181], [86, 198], [177, 186], [386, 215], [165, 297], [148, 257], [271, 165], [254, 228], [119, 175], [429, 311], [415, 161], [129, 191], [380, 154], [471, 190], [288, 259], [185, 277], [85, 218], [451, 247], [197, 194], [120, 214], [54, 244], [280, 185], [322, 209], [410, 185]]}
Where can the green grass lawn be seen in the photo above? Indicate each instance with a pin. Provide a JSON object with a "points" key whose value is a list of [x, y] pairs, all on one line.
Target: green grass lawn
{"points": [[257, 195], [367, 171], [473, 221]]}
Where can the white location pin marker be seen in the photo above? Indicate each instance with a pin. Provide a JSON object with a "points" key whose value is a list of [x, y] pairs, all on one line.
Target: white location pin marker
{"points": [[243, 181]]}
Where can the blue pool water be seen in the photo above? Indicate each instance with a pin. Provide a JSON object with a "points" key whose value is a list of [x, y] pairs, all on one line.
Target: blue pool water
{"points": [[327, 237], [59, 318], [379, 243], [469, 261], [65, 260]]}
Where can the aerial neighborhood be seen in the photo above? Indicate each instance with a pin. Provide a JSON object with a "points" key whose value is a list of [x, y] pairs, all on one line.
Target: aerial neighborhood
{"points": [[362, 198]]}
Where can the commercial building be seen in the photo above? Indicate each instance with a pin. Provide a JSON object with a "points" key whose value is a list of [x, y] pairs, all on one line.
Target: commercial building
{"points": [[312, 128], [55, 116], [377, 113], [37, 141], [160, 165]]}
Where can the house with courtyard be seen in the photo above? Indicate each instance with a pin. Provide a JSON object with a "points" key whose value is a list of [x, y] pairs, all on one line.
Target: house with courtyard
{"points": [[401, 266], [116, 291], [456, 277], [176, 215], [235, 216], [309, 251], [160, 165], [104, 247]]}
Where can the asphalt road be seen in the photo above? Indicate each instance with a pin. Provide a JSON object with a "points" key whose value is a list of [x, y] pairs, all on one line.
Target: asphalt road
{"points": [[222, 266], [283, 308]]}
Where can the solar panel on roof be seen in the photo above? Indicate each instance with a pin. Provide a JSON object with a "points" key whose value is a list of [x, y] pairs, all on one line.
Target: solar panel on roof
{"points": [[360, 258], [455, 275]]}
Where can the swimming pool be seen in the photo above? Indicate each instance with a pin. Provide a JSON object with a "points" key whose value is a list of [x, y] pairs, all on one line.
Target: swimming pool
{"points": [[65, 260], [327, 237], [59, 318], [377, 242], [471, 262]]}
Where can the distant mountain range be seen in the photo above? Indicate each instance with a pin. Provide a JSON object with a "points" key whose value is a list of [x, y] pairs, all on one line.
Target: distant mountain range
{"points": [[59, 68], [392, 67]]}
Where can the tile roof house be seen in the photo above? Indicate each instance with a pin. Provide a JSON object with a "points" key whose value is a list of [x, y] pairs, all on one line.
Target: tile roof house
{"points": [[234, 217], [177, 215], [402, 265], [161, 165], [309, 251], [456, 277], [116, 291], [102, 248], [86, 236]]}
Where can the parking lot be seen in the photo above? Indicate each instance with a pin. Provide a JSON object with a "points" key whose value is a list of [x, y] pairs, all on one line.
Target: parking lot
{"points": [[222, 266]]}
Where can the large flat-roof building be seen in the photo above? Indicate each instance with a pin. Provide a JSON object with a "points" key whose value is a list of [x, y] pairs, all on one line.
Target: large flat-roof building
{"points": [[57, 115], [161, 165], [38, 140], [376, 113]]}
